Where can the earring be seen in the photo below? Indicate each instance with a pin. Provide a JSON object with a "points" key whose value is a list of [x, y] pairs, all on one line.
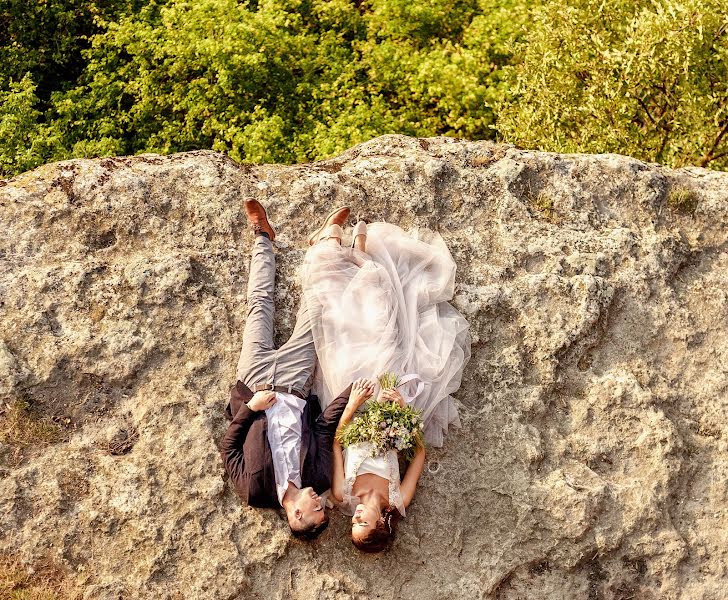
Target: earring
{"points": [[388, 522]]}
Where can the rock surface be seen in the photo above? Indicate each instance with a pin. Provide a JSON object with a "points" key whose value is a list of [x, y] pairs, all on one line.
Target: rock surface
{"points": [[592, 458]]}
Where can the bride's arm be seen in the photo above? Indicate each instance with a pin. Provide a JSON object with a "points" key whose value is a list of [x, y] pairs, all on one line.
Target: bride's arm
{"points": [[412, 476], [337, 478], [361, 389]]}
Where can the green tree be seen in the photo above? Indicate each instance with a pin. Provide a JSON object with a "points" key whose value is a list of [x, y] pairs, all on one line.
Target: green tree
{"points": [[284, 80], [41, 45], [643, 78], [46, 37], [24, 141]]}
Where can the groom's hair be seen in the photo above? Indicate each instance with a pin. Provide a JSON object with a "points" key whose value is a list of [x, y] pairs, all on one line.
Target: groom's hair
{"points": [[306, 531]]}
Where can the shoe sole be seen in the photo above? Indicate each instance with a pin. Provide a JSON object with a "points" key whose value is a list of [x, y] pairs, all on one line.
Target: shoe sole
{"points": [[315, 236]]}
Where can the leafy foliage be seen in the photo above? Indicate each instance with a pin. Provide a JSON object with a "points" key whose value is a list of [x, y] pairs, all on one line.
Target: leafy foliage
{"points": [[644, 78], [46, 38], [281, 80], [19, 126], [388, 381], [297, 80]]}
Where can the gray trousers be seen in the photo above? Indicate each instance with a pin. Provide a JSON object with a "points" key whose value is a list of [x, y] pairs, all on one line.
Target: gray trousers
{"points": [[293, 363]]}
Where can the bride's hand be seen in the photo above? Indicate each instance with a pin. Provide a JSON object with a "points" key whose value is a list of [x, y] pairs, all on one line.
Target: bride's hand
{"points": [[393, 396], [361, 391]]}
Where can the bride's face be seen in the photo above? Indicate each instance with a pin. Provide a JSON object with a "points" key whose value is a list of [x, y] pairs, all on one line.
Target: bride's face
{"points": [[364, 520]]}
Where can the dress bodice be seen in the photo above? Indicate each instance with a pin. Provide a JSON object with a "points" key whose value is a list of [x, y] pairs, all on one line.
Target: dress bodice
{"points": [[360, 459]]}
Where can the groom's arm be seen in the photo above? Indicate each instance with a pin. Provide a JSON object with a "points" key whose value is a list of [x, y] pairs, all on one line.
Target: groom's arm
{"points": [[239, 394], [231, 449], [328, 420]]}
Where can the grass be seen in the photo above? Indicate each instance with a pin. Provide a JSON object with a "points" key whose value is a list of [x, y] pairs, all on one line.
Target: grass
{"points": [[21, 427], [683, 200], [45, 583], [544, 204]]}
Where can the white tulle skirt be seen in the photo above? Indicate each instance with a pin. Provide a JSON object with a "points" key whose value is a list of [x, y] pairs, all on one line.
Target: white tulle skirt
{"points": [[387, 310]]}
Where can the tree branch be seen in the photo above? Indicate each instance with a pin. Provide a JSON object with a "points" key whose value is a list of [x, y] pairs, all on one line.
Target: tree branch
{"points": [[647, 110], [708, 156]]}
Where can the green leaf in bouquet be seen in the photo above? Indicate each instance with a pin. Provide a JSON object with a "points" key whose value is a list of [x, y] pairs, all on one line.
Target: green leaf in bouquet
{"points": [[388, 381]]}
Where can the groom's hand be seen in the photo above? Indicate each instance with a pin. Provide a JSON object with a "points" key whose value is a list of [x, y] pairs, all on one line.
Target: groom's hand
{"points": [[361, 391], [262, 400]]}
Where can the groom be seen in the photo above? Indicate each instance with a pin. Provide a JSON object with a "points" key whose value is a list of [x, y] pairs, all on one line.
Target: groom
{"points": [[278, 446]]}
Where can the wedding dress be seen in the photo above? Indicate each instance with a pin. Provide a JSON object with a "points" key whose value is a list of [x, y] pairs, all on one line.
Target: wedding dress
{"points": [[387, 310], [358, 460]]}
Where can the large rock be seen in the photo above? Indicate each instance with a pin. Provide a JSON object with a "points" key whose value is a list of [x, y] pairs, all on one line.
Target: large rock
{"points": [[592, 458]]}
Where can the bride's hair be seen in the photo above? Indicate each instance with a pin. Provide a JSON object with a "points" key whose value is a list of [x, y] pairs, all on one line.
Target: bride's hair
{"points": [[382, 534]]}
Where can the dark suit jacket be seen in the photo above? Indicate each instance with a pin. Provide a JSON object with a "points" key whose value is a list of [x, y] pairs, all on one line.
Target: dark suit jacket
{"points": [[246, 453]]}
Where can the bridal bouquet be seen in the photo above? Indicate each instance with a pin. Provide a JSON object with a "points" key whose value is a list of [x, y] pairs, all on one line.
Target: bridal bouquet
{"points": [[386, 425]]}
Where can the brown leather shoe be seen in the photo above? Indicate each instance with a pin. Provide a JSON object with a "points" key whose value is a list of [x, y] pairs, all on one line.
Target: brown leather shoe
{"points": [[258, 218], [335, 217]]}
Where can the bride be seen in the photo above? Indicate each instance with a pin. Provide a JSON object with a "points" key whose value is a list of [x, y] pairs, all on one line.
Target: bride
{"points": [[382, 306]]}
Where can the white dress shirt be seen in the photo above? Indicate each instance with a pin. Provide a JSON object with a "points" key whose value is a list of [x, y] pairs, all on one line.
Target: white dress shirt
{"points": [[284, 437]]}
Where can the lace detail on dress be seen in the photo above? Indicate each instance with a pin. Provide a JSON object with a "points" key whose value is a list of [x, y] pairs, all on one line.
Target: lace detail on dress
{"points": [[395, 495], [361, 453]]}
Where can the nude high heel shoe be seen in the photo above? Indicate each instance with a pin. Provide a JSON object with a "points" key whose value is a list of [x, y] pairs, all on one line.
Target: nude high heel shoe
{"points": [[360, 236], [337, 217], [334, 232]]}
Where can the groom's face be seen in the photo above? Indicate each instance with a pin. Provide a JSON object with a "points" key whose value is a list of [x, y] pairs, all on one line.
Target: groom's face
{"points": [[309, 507]]}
